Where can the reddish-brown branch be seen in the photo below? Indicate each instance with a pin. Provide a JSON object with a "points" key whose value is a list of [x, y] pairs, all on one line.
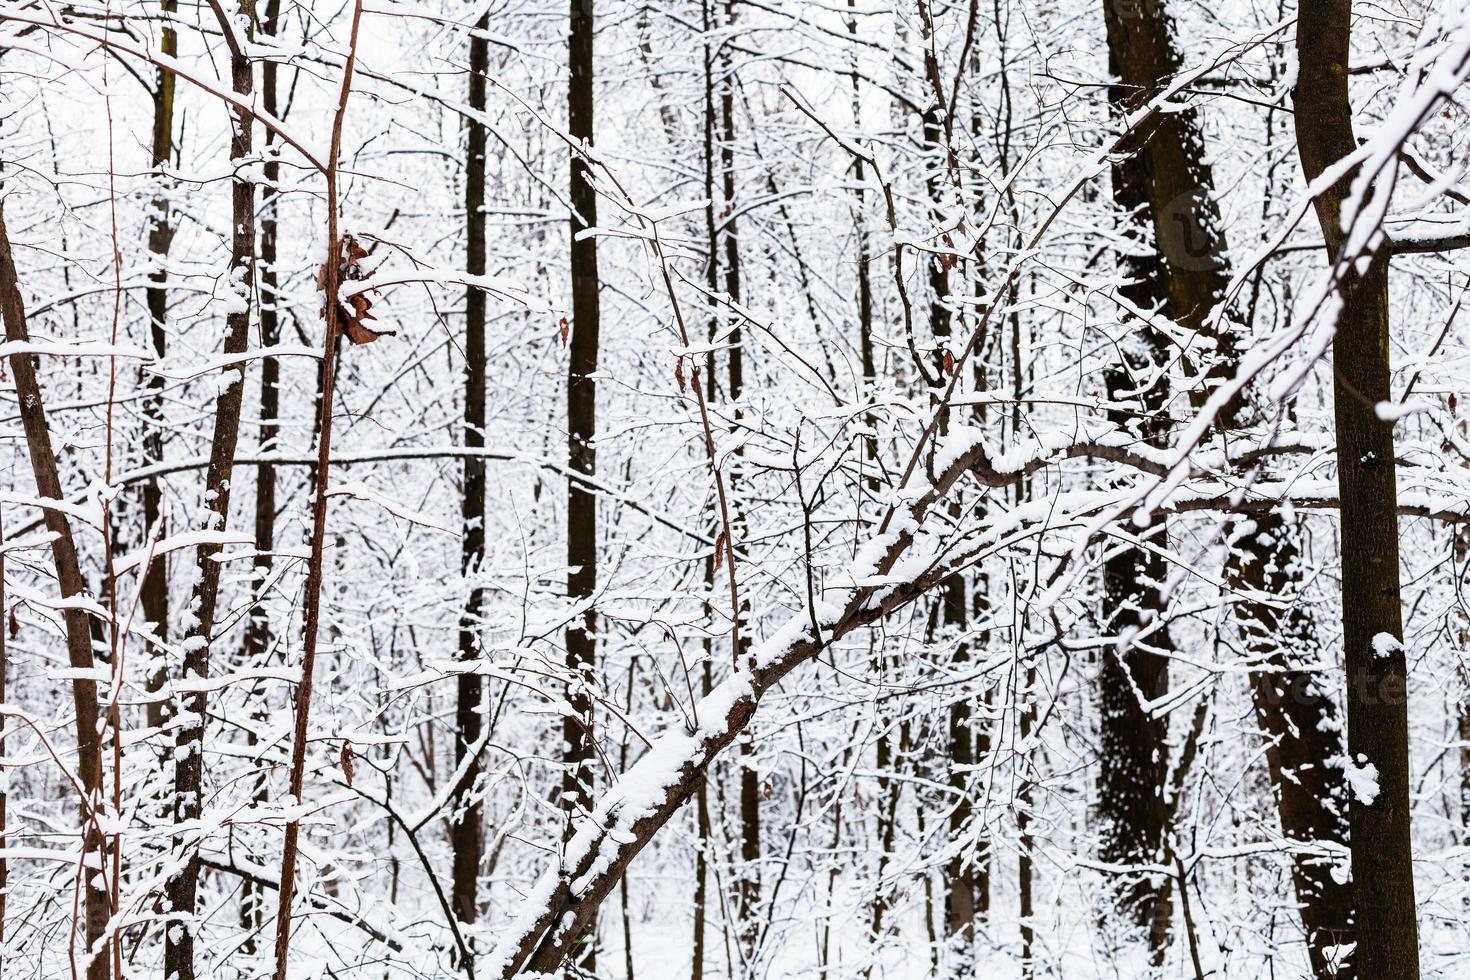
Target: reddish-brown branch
{"points": [[312, 601]]}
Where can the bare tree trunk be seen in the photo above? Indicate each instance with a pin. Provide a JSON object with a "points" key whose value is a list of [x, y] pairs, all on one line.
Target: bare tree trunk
{"points": [[577, 738], [258, 637], [712, 281], [1294, 709], [154, 596], [961, 907], [466, 828], [1135, 672], [748, 889], [1025, 863], [78, 629], [1134, 745], [183, 885], [4, 725], [1377, 702], [889, 790]]}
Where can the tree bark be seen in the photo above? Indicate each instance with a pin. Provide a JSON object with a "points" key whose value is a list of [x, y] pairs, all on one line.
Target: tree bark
{"points": [[258, 638], [963, 903], [703, 826], [1377, 702], [4, 726], [154, 598], [466, 827], [78, 630], [1294, 708], [183, 885], [577, 738], [1134, 672], [1296, 711], [748, 880]]}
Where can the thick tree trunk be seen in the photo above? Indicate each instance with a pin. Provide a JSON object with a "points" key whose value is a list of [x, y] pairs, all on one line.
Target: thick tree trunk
{"points": [[1295, 711], [78, 630], [1134, 744], [183, 885], [466, 831], [581, 429], [1377, 703]]}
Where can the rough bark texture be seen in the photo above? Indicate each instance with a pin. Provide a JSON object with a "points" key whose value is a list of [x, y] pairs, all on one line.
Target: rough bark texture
{"points": [[963, 903], [4, 726], [183, 885], [466, 837], [69, 577], [1377, 703], [258, 639], [154, 596], [703, 825], [1294, 709], [1135, 671], [577, 778], [748, 879]]}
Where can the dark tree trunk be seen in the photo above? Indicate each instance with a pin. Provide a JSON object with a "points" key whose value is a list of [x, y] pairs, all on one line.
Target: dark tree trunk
{"points": [[1193, 272], [257, 625], [466, 836], [712, 282], [1297, 713], [183, 885], [1134, 744], [1025, 863], [581, 429], [4, 724], [154, 598], [30, 400], [1377, 703], [748, 897], [963, 903]]}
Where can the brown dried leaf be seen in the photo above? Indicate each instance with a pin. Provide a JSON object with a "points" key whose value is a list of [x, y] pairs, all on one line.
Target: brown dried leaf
{"points": [[14, 621], [359, 334], [346, 759], [719, 550], [566, 329], [948, 361], [357, 310], [679, 373]]}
